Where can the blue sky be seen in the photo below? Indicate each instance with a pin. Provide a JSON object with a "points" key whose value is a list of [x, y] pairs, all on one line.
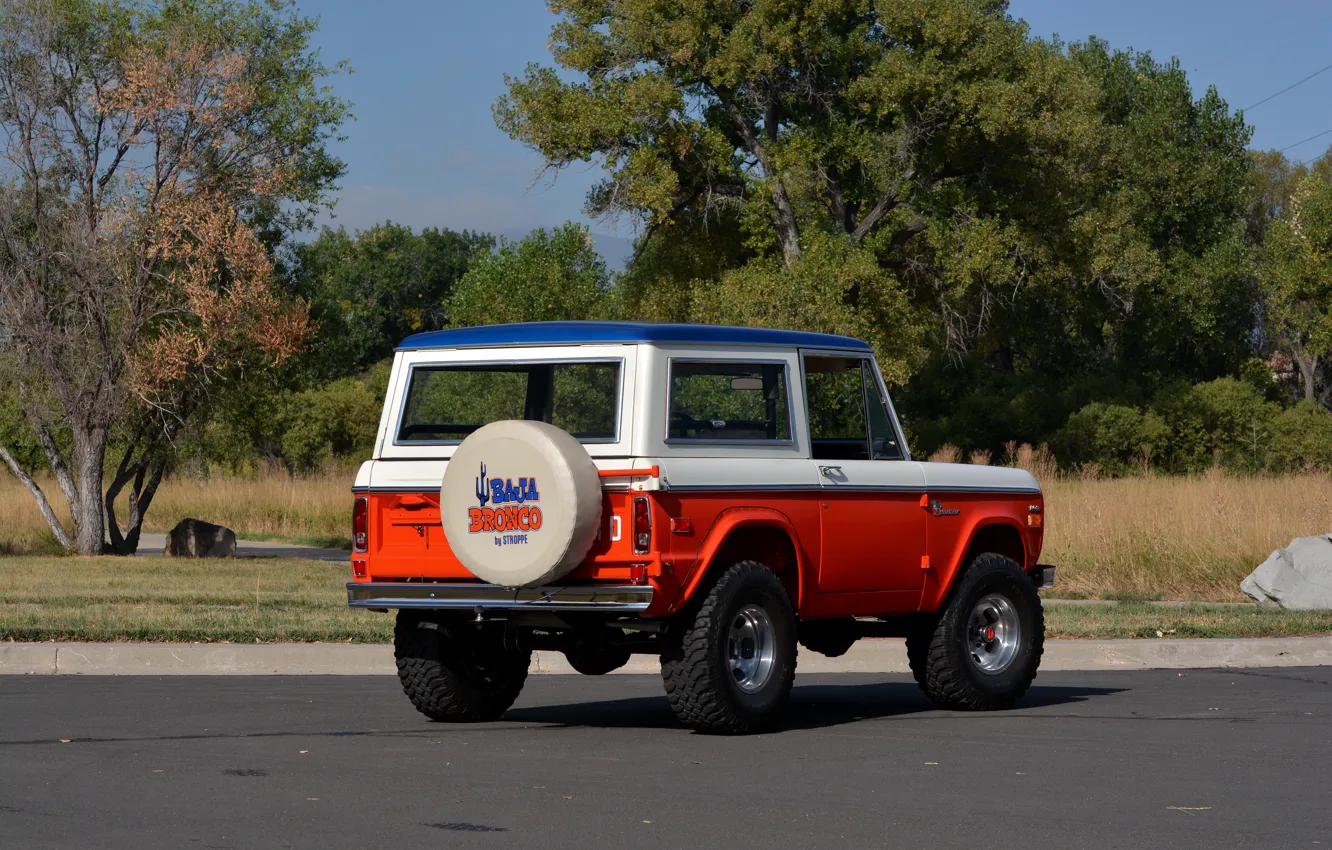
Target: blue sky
{"points": [[424, 150]]}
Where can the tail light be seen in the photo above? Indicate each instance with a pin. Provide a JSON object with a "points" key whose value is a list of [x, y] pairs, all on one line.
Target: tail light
{"points": [[642, 525], [360, 524]]}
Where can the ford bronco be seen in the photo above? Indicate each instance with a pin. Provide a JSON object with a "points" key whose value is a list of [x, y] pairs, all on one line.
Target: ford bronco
{"points": [[713, 496]]}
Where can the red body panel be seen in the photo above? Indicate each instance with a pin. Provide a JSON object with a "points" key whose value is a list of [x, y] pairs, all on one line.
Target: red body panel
{"points": [[870, 553]]}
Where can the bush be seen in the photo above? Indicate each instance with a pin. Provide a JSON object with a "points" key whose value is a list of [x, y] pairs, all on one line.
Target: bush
{"points": [[335, 420], [1301, 439], [1115, 437], [1224, 422], [541, 277]]}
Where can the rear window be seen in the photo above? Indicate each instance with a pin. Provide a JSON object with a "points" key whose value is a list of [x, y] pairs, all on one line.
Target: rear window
{"points": [[724, 400], [446, 403]]}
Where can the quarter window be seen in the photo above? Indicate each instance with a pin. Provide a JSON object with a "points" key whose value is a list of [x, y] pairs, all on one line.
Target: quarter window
{"points": [[720, 400]]}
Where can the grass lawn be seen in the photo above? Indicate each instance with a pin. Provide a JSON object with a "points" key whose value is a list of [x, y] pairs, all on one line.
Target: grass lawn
{"points": [[168, 599], [248, 600]]}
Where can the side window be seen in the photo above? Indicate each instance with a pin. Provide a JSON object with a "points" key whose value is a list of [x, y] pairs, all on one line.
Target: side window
{"points": [[718, 400], [883, 439], [835, 394]]}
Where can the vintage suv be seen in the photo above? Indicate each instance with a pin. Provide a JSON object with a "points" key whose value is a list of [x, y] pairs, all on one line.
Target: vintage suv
{"points": [[711, 495]]}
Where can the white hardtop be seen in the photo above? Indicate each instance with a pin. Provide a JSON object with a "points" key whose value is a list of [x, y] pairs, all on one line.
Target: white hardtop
{"points": [[640, 438]]}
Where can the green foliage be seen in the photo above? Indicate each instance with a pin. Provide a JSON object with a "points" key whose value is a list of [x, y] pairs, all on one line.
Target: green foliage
{"points": [[1301, 438], [1116, 437], [1296, 275], [15, 433], [831, 289], [543, 276], [369, 291], [1224, 422], [337, 420], [1042, 218]]}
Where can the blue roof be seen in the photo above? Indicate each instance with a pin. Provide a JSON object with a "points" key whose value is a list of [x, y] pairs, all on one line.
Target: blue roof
{"points": [[575, 333]]}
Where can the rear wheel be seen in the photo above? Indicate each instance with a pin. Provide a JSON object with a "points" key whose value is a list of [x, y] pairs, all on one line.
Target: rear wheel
{"points": [[984, 651], [453, 671], [729, 664]]}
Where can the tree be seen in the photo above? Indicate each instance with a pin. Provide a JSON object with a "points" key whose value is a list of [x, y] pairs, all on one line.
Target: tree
{"points": [[370, 290], [543, 276], [153, 151], [1026, 204], [1296, 275]]}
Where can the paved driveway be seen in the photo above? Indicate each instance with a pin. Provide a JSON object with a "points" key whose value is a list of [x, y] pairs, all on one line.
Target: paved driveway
{"points": [[153, 544], [1112, 759]]}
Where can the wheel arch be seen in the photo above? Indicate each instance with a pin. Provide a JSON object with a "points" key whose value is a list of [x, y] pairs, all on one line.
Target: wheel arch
{"points": [[741, 534], [998, 534]]}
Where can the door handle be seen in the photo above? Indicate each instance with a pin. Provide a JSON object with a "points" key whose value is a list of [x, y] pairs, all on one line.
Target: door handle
{"points": [[830, 471]]}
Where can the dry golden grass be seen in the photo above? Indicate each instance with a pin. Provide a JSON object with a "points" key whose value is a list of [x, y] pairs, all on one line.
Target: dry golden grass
{"points": [[1176, 538], [272, 505], [314, 509], [1144, 538], [23, 529]]}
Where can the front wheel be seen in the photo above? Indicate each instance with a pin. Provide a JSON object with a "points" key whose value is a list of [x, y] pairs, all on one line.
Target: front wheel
{"points": [[453, 671], [729, 664], [984, 651]]}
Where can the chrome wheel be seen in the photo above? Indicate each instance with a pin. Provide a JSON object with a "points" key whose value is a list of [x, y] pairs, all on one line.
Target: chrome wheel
{"points": [[751, 647], [993, 633]]}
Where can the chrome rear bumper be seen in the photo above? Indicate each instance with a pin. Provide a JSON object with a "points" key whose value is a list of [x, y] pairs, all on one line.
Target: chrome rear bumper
{"points": [[580, 597]]}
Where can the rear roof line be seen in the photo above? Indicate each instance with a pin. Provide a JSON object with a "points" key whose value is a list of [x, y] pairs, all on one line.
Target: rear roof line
{"points": [[592, 333]]}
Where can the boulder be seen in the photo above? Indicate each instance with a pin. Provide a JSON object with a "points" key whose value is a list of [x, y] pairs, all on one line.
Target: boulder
{"points": [[1298, 577], [194, 538]]}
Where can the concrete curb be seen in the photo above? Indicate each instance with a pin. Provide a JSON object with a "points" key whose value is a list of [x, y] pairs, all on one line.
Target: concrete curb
{"points": [[867, 656]]}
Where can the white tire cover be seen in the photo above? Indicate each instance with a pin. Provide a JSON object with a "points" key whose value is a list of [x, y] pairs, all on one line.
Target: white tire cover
{"points": [[520, 503]]}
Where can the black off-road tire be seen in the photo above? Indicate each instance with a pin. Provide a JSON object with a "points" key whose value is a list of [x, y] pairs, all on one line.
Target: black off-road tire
{"points": [[918, 650], [454, 672], [694, 658], [952, 677]]}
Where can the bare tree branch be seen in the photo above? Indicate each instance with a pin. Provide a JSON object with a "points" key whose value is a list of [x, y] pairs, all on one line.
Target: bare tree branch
{"points": [[42, 504]]}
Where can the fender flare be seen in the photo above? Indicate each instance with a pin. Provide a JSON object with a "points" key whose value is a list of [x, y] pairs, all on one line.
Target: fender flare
{"points": [[940, 582], [726, 522]]}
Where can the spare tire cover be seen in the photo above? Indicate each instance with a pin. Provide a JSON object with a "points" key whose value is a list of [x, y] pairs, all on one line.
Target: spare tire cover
{"points": [[520, 503]]}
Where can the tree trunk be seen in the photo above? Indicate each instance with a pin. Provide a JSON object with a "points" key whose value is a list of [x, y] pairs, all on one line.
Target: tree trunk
{"points": [[783, 216], [1308, 374], [89, 522], [132, 472], [785, 220]]}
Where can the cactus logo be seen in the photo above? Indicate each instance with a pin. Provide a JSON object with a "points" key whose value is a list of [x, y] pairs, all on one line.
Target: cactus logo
{"points": [[505, 509]]}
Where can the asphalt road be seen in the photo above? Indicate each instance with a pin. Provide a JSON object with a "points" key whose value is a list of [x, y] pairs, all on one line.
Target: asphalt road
{"points": [[1132, 759]]}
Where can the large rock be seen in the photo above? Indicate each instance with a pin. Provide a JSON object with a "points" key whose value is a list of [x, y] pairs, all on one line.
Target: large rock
{"points": [[194, 538], [1298, 577]]}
